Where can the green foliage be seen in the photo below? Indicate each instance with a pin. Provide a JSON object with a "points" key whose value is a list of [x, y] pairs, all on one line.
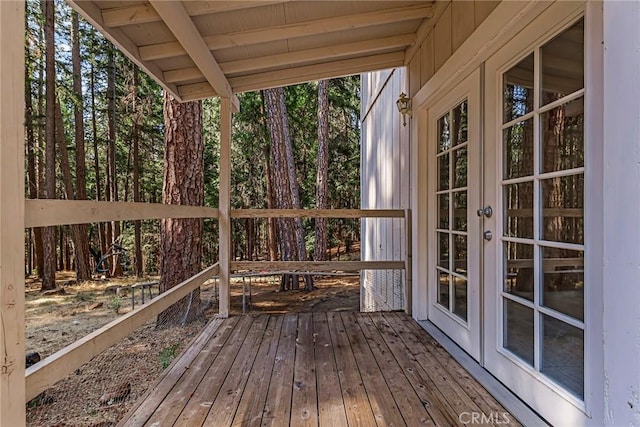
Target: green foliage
{"points": [[115, 304], [140, 106], [167, 355]]}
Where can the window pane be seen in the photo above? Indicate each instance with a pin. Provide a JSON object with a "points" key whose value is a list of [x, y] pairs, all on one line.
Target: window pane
{"points": [[460, 298], [562, 61], [518, 330], [444, 133], [563, 207], [518, 272], [518, 150], [443, 289], [562, 131], [443, 250], [460, 123], [518, 201], [518, 90], [563, 354], [563, 272], [443, 172], [460, 167], [443, 211], [460, 254], [460, 210]]}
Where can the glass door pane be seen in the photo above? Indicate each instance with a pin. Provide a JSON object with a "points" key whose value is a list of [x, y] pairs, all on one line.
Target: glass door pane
{"points": [[543, 190], [452, 172]]}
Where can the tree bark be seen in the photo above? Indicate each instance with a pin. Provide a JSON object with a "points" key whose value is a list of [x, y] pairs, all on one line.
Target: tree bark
{"points": [[31, 171], [81, 236], [136, 173], [320, 246], [78, 233], [284, 183], [116, 268], [271, 222], [48, 279], [96, 161], [181, 239]]}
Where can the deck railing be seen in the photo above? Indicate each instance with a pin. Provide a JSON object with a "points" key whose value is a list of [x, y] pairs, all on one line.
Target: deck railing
{"points": [[43, 213]]}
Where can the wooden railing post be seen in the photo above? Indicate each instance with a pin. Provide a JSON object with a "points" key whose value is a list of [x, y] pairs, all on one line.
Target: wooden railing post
{"points": [[12, 382], [224, 205], [408, 291]]}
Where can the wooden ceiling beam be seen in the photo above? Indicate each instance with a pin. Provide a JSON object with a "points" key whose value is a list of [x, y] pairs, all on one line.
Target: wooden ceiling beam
{"points": [[179, 22], [146, 13], [297, 75], [327, 53], [288, 31], [317, 72], [92, 14]]}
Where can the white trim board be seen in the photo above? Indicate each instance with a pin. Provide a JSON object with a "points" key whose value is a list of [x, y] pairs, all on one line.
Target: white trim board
{"points": [[523, 413], [501, 25]]}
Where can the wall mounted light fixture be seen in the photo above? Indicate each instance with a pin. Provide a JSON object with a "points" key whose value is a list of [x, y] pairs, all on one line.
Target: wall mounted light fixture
{"points": [[404, 107]]}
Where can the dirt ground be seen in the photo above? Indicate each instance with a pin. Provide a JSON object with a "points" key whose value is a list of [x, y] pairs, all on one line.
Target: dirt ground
{"points": [[90, 395]]}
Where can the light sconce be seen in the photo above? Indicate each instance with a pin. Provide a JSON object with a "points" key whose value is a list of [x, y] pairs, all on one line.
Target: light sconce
{"points": [[404, 107]]}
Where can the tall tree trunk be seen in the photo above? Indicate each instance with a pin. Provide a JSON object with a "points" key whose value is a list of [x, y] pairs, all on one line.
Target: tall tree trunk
{"points": [[31, 168], [116, 268], [96, 160], [38, 233], [48, 280], [181, 239], [61, 244], [285, 184], [320, 248], [78, 233], [271, 222], [81, 236], [136, 173]]}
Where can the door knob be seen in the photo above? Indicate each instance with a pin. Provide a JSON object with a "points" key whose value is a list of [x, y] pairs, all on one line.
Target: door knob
{"points": [[488, 235], [485, 211]]}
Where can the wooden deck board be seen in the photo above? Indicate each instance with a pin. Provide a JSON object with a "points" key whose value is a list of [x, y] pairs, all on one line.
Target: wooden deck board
{"points": [[330, 404], [356, 401], [224, 407], [277, 409], [326, 369], [304, 402], [205, 393], [381, 399], [249, 413]]}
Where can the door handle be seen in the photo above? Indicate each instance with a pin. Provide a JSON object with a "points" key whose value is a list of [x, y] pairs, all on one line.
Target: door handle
{"points": [[486, 211], [488, 235]]}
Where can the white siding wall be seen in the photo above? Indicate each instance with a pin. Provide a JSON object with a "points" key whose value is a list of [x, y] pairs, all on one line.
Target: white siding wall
{"points": [[385, 185]]}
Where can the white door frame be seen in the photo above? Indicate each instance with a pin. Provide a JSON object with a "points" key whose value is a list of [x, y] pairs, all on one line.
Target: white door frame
{"points": [[508, 20], [468, 334], [550, 400]]}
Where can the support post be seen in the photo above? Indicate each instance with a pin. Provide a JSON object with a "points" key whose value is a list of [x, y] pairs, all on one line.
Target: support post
{"points": [[408, 287], [224, 218], [619, 202], [12, 379]]}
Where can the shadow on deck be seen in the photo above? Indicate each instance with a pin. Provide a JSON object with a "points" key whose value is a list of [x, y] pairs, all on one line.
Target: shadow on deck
{"points": [[327, 369]]}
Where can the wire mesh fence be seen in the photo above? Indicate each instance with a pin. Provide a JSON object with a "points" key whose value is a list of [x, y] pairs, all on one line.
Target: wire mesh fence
{"points": [[101, 391]]}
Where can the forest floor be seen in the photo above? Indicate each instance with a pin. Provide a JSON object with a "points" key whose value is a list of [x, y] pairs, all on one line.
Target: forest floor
{"points": [[90, 396]]}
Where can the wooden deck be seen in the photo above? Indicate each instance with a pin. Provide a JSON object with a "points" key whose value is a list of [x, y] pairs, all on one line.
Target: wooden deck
{"points": [[327, 369]]}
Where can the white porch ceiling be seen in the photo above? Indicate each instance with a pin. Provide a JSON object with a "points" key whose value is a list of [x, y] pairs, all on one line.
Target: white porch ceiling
{"points": [[200, 49]]}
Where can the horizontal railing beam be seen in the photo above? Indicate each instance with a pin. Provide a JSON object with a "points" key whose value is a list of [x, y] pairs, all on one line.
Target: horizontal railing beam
{"points": [[317, 213], [46, 373], [316, 266], [49, 212]]}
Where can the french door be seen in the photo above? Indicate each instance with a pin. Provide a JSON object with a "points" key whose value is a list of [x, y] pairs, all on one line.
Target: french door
{"points": [[454, 190], [535, 180]]}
